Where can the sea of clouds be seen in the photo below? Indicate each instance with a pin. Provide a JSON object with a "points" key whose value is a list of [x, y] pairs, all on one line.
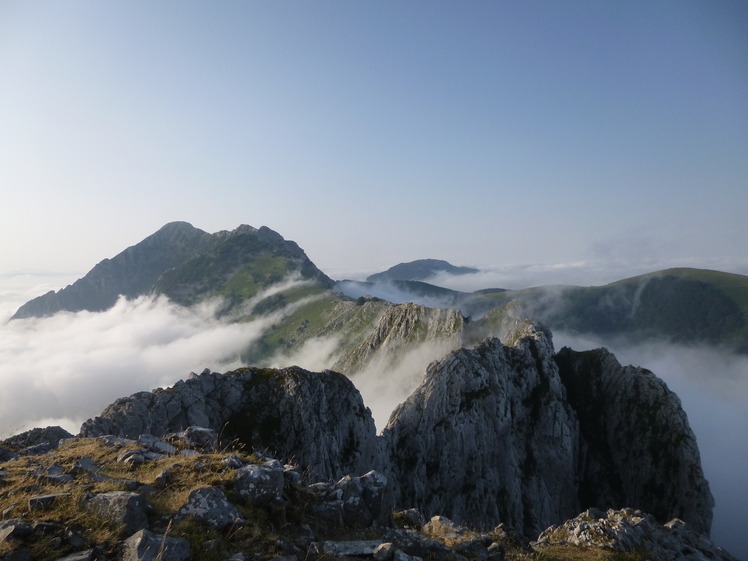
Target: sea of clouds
{"points": [[67, 368]]}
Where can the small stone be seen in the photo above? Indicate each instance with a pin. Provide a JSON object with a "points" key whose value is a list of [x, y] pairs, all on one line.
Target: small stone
{"points": [[442, 527], [147, 546], [43, 501], [384, 551], [15, 528]]}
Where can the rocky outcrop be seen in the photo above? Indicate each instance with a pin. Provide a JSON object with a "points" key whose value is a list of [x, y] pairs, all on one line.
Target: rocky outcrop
{"points": [[631, 531], [514, 434], [637, 448], [511, 434], [403, 328], [35, 441], [318, 419], [488, 437]]}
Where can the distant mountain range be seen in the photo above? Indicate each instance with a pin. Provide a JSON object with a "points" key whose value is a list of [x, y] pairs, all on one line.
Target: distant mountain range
{"points": [[189, 265]]}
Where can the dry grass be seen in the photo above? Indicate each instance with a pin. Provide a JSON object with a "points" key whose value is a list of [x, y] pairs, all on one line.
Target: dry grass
{"points": [[581, 553]]}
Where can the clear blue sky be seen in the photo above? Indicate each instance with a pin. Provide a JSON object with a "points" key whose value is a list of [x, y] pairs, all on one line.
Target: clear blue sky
{"points": [[596, 133]]}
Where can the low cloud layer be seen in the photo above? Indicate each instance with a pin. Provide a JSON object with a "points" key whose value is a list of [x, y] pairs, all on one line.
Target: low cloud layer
{"points": [[713, 388], [67, 368]]}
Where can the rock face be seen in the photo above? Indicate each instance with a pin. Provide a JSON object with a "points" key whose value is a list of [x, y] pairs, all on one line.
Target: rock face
{"points": [[520, 436], [402, 328], [488, 437], [629, 530], [318, 419], [511, 434], [637, 446]]}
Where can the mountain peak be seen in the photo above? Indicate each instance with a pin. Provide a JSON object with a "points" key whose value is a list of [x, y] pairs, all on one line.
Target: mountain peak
{"points": [[420, 269], [187, 265]]}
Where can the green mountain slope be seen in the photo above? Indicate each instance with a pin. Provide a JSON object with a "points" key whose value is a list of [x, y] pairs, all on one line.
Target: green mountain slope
{"points": [[188, 265]]}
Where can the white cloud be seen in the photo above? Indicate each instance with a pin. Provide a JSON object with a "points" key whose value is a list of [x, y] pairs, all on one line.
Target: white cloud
{"points": [[68, 367]]}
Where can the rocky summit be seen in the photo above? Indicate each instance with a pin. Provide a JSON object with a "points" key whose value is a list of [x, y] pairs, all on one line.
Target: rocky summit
{"points": [[501, 444]]}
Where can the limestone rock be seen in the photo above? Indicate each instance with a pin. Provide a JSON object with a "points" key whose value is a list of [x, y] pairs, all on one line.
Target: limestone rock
{"points": [[121, 507], [488, 437], [316, 418], [403, 327], [147, 546], [36, 441], [630, 530], [260, 483], [210, 505], [519, 435]]}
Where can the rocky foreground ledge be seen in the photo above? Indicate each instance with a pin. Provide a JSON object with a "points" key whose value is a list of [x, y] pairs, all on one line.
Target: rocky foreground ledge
{"points": [[181, 497]]}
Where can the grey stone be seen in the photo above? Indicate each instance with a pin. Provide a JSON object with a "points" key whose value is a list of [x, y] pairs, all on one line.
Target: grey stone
{"points": [[147, 546], [43, 501], [384, 551], [17, 555], [442, 527], [210, 505], [260, 483], [14, 528], [366, 500], [121, 507], [84, 465], [87, 555], [521, 435], [629, 530], [318, 419], [346, 548]]}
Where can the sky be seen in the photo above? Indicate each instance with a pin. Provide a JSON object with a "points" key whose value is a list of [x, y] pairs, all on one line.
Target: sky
{"points": [[574, 142], [584, 141]]}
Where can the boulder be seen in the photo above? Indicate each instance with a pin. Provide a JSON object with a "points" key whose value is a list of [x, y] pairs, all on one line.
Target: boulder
{"points": [[260, 483], [210, 505], [147, 546], [120, 507], [318, 419]]}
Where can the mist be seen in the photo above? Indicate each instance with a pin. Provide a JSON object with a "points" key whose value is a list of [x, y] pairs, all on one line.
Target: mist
{"points": [[64, 369], [712, 385]]}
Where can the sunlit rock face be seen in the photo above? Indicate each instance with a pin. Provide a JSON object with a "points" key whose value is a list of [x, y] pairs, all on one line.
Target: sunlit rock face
{"points": [[489, 437], [314, 419], [518, 435]]}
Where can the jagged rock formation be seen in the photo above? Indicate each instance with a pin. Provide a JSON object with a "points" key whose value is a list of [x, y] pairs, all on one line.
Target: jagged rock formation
{"points": [[637, 446], [402, 328], [488, 437], [187, 265], [497, 433], [318, 419]]}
